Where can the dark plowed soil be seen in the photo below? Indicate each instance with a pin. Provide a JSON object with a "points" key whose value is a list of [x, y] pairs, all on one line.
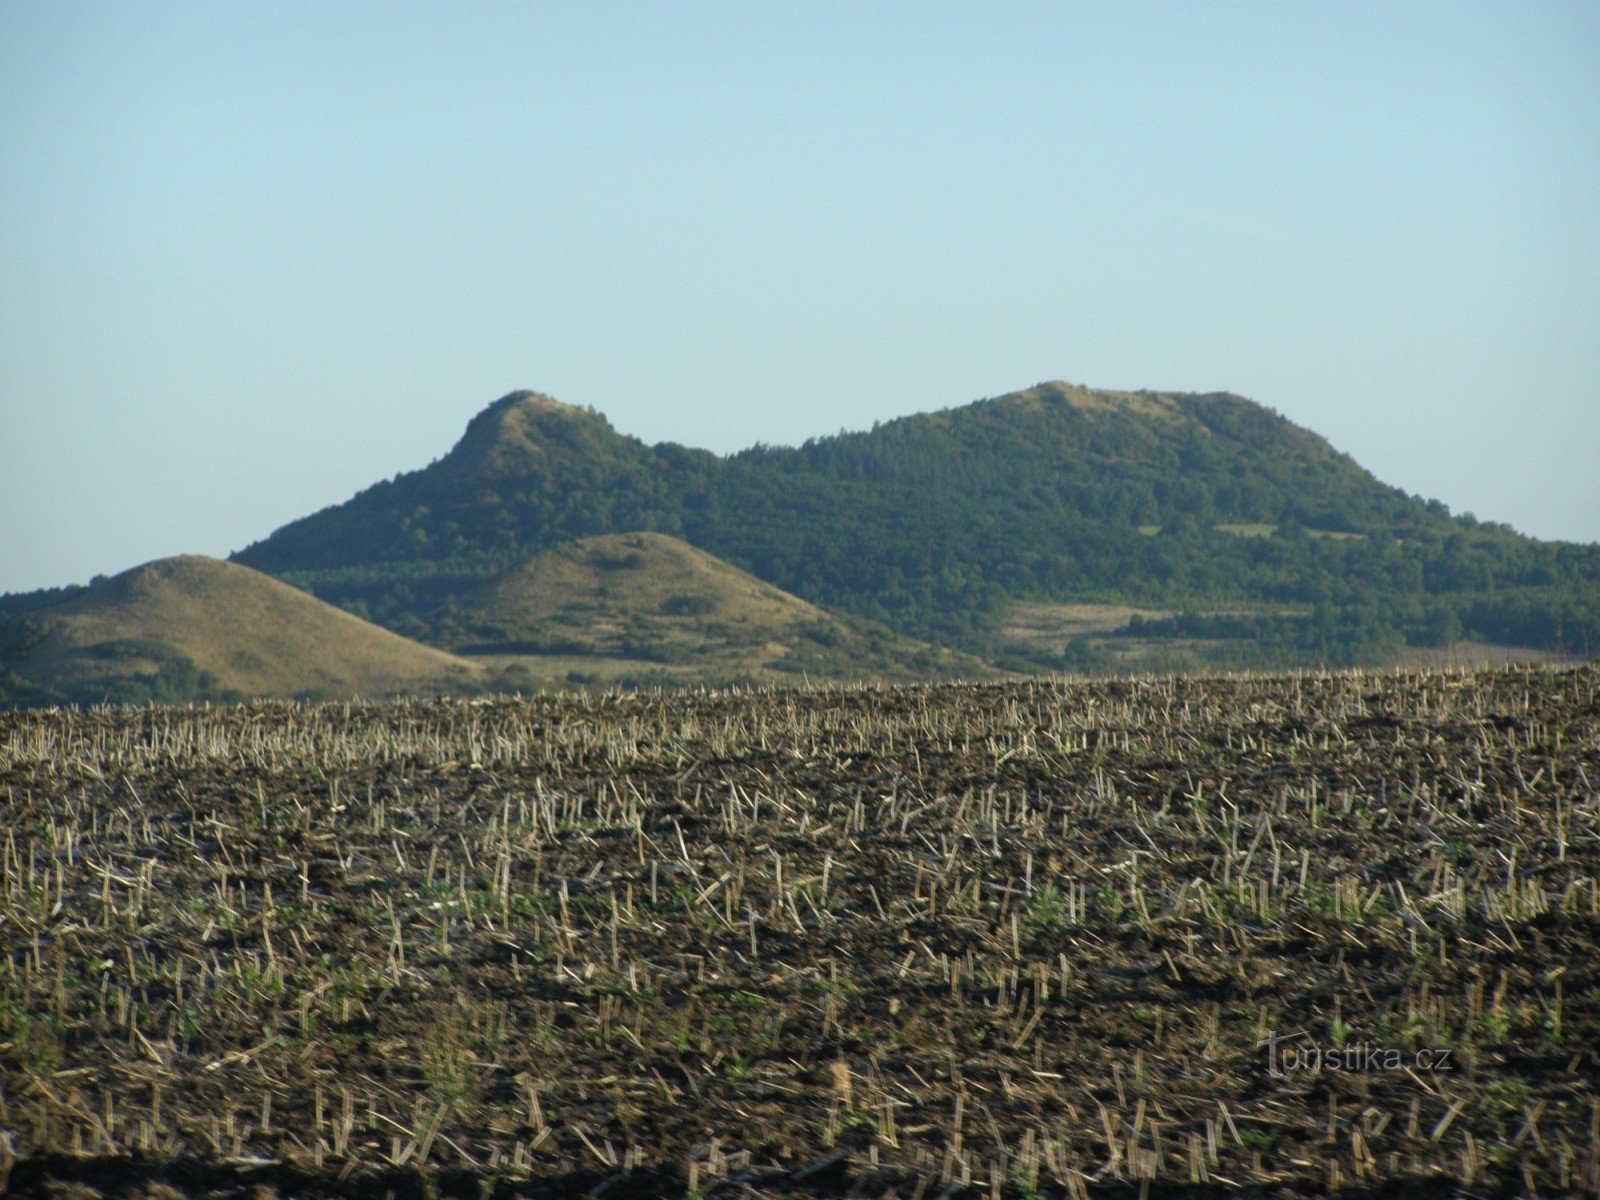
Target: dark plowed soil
{"points": [[1154, 938]]}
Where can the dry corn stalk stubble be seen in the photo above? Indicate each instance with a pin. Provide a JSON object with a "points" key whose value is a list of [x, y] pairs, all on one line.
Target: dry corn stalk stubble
{"points": [[1000, 938]]}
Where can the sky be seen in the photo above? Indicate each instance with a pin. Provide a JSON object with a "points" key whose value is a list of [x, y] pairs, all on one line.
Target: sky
{"points": [[256, 257]]}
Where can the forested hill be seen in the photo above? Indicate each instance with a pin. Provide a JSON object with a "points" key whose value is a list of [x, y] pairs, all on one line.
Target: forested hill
{"points": [[529, 473], [932, 523]]}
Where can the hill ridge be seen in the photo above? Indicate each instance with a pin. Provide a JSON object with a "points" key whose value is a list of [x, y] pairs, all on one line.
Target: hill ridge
{"points": [[933, 523]]}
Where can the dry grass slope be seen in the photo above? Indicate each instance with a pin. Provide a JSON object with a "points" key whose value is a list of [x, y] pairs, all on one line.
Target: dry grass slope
{"points": [[607, 580], [253, 634], [646, 597]]}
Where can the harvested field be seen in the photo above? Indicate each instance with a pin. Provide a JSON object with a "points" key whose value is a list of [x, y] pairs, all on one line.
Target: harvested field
{"points": [[1151, 937]]}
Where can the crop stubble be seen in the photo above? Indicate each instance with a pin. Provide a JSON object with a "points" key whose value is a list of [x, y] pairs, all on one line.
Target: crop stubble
{"points": [[1014, 939]]}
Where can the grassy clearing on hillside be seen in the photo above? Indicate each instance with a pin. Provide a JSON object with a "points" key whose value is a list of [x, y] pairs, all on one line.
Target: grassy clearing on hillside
{"points": [[1058, 938], [1097, 639], [1093, 639], [1266, 529], [1040, 625]]}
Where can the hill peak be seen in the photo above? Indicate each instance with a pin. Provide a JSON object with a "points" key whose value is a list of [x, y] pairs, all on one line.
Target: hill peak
{"points": [[524, 427], [527, 400], [188, 572], [1057, 393]]}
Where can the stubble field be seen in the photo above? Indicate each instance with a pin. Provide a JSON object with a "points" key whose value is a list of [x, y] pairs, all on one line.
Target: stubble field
{"points": [[1164, 937]]}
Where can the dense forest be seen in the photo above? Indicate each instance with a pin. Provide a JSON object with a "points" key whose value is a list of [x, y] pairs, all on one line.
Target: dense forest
{"points": [[1256, 529]]}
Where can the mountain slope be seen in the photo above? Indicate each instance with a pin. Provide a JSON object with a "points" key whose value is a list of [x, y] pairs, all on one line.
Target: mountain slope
{"points": [[650, 598], [936, 524], [191, 626]]}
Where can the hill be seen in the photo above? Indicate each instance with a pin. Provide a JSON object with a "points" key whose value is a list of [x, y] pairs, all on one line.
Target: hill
{"points": [[193, 627], [1264, 542], [648, 605], [528, 474]]}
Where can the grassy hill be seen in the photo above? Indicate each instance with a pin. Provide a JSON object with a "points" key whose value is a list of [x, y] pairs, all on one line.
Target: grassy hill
{"points": [[195, 627], [1264, 543], [645, 605]]}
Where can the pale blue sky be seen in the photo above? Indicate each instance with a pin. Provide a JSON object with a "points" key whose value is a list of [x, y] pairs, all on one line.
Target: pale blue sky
{"points": [[254, 257]]}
